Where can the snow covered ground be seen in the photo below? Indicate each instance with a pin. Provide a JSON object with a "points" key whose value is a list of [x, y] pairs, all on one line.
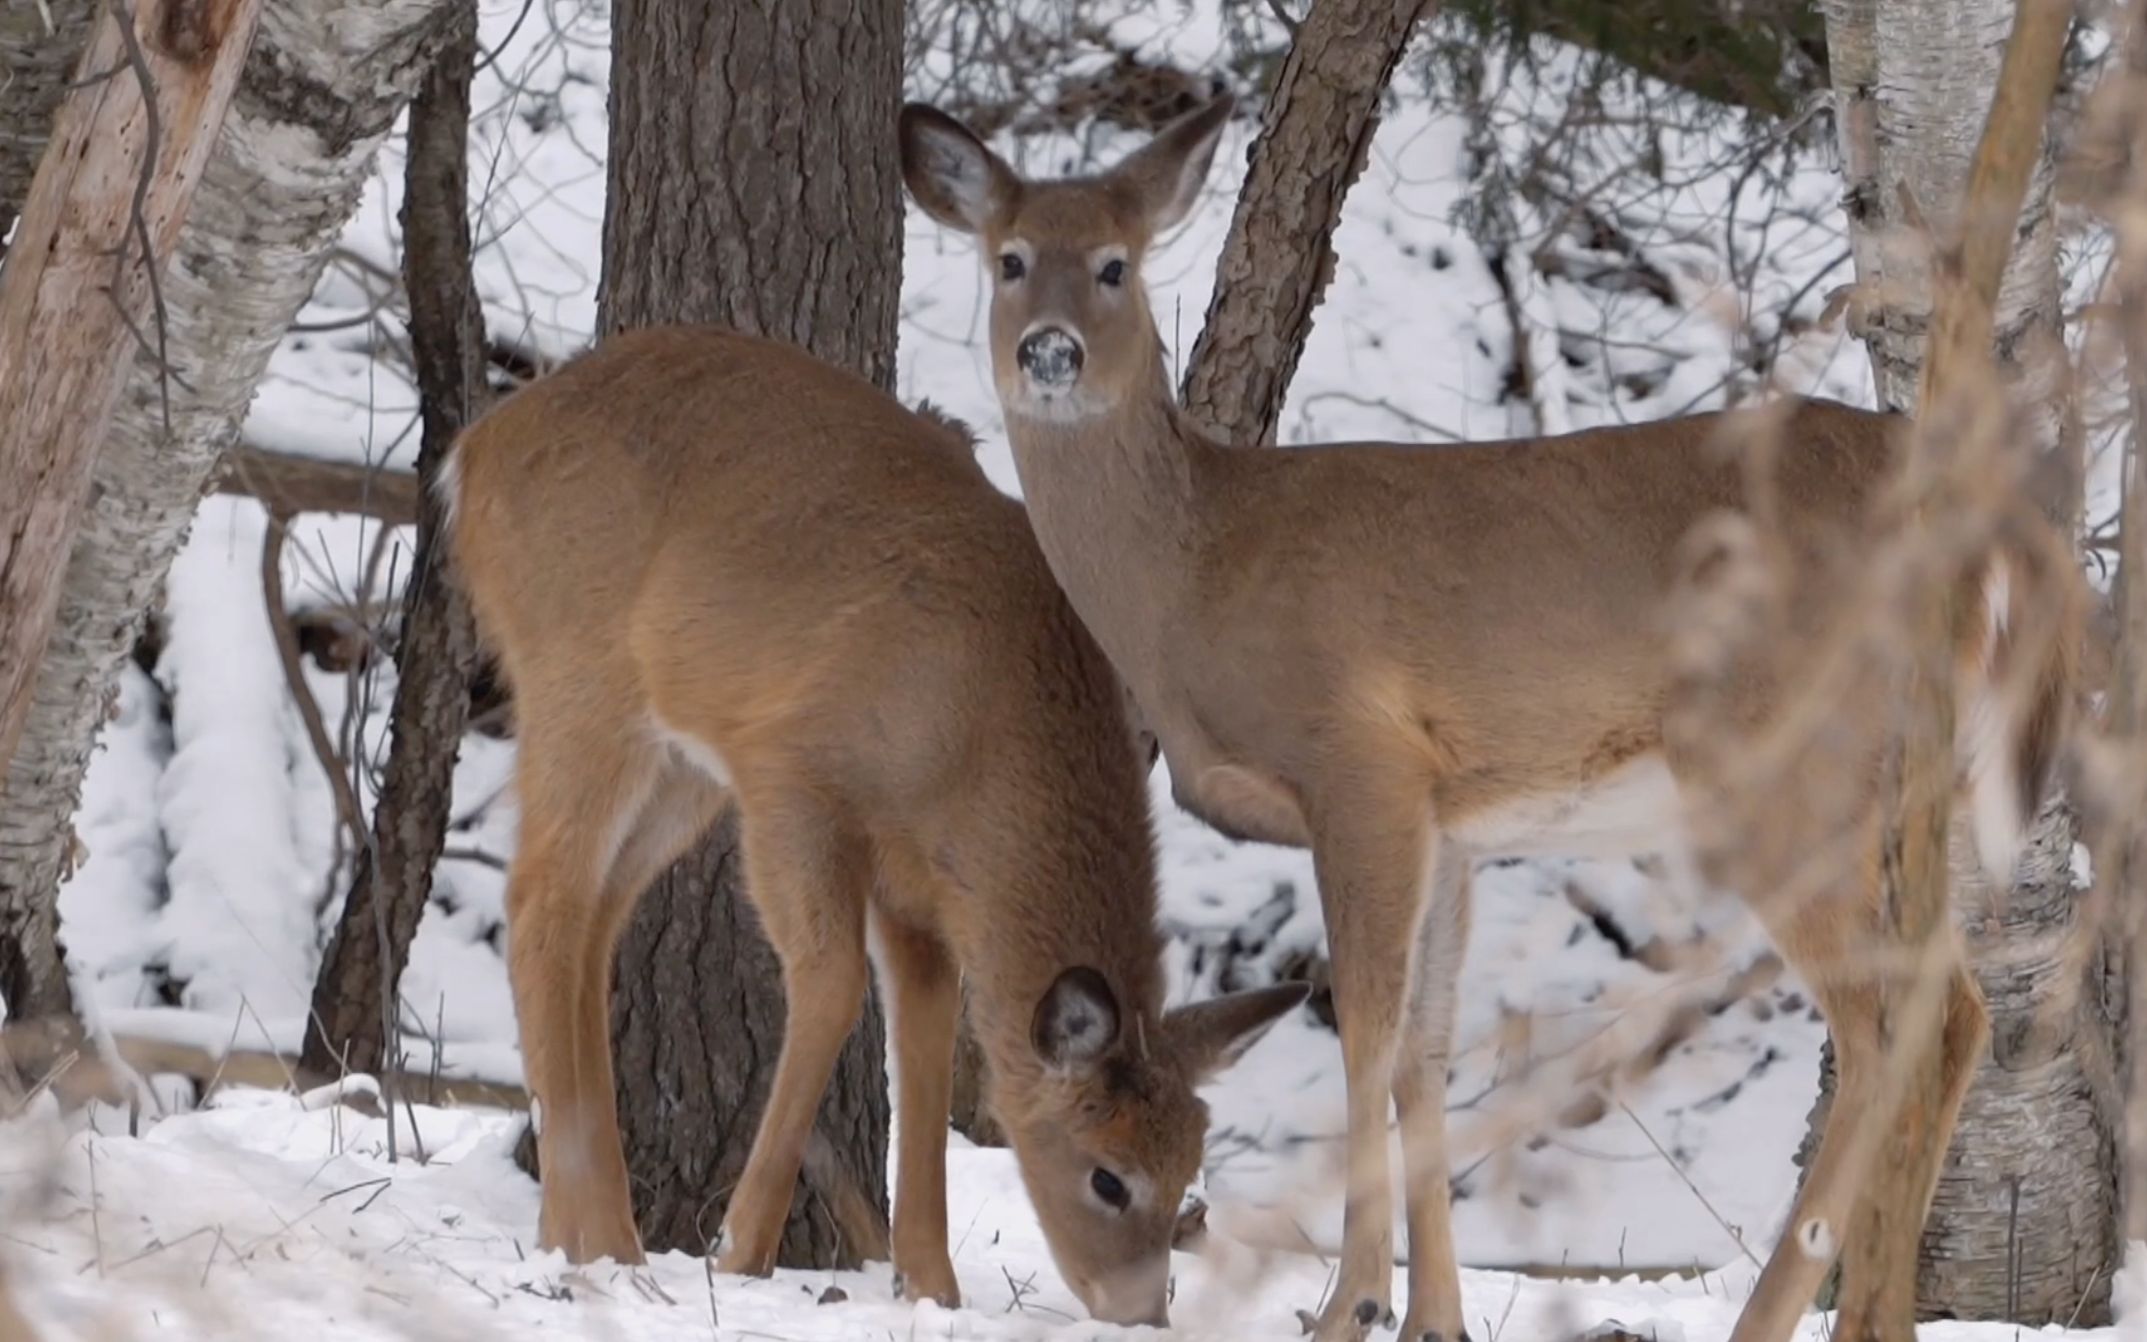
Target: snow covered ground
{"points": [[266, 1216], [211, 831]]}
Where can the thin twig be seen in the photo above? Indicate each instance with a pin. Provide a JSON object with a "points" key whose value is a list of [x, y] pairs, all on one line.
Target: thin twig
{"points": [[1686, 1179], [138, 214], [348, 809]]}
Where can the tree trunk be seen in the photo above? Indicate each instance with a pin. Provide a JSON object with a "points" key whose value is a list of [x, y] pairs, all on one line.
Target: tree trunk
{"points": [[356, 1003], [82, 288], [82, 284], [972, 1112], [1279, 254], [2023, 1225], [321, 87], [753, 182]]}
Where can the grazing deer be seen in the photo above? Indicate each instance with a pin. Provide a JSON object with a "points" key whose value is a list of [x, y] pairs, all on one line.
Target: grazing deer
{"points": [[714, 566], [1408, 658]]}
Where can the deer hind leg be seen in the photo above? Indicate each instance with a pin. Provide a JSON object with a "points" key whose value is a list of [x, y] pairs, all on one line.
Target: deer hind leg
{"points": [[681, 806], [1434, 1312], [1372, 848], [1831, 941], [581, 791], [925, 992], [810, 879]]}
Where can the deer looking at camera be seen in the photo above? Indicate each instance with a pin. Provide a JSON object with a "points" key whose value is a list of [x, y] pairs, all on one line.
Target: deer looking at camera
{"points": [[1408, 658], [713, 566]]}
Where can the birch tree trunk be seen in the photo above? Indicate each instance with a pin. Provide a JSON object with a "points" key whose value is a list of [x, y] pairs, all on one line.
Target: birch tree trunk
{"points": [[80, 296], [320, 89], [2023, 1225]]}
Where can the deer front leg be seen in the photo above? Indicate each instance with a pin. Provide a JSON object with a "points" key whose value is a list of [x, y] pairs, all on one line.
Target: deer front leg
{"points": [[1434, 1312], [926, 999], [1371, 850], [809, 883]]}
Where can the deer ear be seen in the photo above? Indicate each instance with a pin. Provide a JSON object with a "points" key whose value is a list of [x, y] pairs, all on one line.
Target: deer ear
{"points": [[957, 180], [1077, 1020], [1167, 172], [1213, 1034]]}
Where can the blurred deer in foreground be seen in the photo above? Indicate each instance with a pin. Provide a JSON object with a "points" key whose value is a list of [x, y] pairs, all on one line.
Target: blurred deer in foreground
{"points": [[714, 566], [1408, 658]]}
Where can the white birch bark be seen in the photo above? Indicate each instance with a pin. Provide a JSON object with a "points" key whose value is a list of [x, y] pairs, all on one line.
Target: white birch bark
{"points": [[321, 89], [2024, 1224]]}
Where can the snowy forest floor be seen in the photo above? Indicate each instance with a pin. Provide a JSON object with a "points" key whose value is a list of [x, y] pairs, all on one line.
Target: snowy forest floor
{"points": [[266, 1216]]}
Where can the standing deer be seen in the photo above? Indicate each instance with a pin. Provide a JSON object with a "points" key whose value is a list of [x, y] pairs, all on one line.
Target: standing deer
{"points": [[1410, 658], [714, 566]]}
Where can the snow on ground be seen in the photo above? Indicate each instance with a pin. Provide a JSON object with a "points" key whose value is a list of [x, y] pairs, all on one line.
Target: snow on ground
{"points": [[294, 1222], [210, 827]]}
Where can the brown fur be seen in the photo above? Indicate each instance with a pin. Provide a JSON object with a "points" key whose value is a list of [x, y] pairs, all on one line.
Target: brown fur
{"points": [[694, 547], [1377, 649]]}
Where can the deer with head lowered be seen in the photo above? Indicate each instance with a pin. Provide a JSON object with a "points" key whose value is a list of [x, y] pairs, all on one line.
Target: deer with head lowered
{"points": [[1408, 658], [713, 567]]}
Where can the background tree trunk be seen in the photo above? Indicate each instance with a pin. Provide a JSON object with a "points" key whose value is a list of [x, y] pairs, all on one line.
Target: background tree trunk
{"points": [[972, 1114], [2024, 1223], [754, 182], [1279, 254], [321, 87], [356, 1005]]}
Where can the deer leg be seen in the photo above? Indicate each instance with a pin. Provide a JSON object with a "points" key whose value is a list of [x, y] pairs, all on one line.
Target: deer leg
{"points": [[809, 881], [555, 915], [1434, 1312], [1372, 847], [1823, 939], [680, 807], [926, 1000]]}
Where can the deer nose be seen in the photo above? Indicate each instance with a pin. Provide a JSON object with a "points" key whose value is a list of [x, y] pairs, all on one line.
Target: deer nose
{"points": [[1051, 356], [1133, 1297]]}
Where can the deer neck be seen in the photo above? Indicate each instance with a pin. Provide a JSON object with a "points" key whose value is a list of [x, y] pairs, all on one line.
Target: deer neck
{"points": [[1075, 888], [1113, 500]]}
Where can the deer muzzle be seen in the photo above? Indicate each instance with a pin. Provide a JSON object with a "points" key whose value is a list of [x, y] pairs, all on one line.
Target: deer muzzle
{"points": [[1051, 357]]}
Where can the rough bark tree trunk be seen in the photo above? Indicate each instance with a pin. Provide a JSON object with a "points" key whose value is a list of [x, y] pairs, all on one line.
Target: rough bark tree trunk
{"points": [[321, 87], [2023, 1225], [753, 182], [971, 1105], [356, 1004], [1279, 254]]}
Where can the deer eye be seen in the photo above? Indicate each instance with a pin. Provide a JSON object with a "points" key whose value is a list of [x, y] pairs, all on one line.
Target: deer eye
{"points": [[1112, 274], [1107, 1186], [1012, 267]]}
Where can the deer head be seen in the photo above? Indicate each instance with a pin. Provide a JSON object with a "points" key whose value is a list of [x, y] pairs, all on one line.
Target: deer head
{"points": [[1071, 330], [1108, 1131]]}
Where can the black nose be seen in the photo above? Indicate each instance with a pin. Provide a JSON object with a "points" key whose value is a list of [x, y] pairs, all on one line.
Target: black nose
{"points": [[1050, 356]]}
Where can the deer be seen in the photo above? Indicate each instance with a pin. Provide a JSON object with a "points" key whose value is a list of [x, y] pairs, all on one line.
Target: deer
{"points": [[716, 570], [1409, 657]]}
